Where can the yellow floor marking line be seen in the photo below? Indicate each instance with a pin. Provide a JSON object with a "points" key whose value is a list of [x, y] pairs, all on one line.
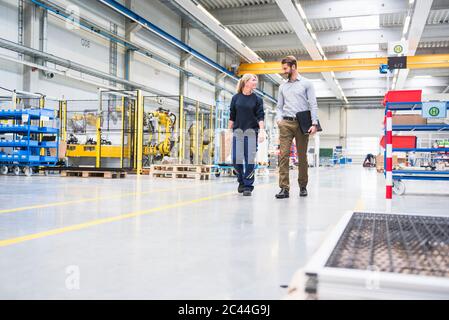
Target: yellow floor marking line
{"points": [[52, 232], [64, 203], [93, 199]]}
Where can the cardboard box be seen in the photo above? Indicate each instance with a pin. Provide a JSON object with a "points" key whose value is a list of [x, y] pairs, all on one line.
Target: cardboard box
{"points": [[380, 161], [61, 151], [226, 147], [408, 119]]}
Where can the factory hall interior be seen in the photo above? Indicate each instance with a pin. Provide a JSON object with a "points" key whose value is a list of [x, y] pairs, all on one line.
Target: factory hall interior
{"points": [[224, 150]]}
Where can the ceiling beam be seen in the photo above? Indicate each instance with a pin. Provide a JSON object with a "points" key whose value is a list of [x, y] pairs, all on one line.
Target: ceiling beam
{"points": [[297, 23], [201, 15], [332, 38], [416, 30], [341, 65]]}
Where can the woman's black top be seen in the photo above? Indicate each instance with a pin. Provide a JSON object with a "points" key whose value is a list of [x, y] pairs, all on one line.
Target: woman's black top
{"points": [[246, 111]]}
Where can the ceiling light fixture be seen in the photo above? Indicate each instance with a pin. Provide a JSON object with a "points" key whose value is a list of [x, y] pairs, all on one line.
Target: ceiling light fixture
{"points": [[320, 49], [208, 13], [360, 23], [301, 11], [363, 48], [406, 25]]}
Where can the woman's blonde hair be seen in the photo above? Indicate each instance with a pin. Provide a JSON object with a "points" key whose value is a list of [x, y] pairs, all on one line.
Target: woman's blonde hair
{"points": [[243, 80]]}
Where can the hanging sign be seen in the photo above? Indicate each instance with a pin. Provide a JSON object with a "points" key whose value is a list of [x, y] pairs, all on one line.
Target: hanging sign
{"points": [[434, 110]]}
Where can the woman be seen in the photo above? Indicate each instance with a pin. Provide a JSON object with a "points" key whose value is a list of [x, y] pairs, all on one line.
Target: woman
{"points": [[247, 122]]}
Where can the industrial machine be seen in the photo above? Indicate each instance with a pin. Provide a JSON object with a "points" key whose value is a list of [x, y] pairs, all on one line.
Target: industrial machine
{"points": [[161, 126], [102, 133], [205, 145]]}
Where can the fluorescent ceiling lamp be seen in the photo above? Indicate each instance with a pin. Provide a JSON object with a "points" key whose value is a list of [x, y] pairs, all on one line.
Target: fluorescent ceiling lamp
{"points": [[301, 11], [363, 48], [362, 74], [232, 35], [411, 1], [208, 13], [406, 25], [360, 23], [309, 26], [320, 49], [422, 77], [313, 36]]}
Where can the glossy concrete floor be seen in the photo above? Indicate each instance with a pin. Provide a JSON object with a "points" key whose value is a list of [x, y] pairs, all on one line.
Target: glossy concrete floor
{"points": [[143, 238]]}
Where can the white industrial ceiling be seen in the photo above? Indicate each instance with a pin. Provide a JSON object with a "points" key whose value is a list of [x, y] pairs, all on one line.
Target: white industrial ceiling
{"points": [[262, 26]]}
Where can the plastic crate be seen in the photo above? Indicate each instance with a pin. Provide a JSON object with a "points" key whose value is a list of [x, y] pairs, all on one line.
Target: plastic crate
{"points": [[403, 96]]}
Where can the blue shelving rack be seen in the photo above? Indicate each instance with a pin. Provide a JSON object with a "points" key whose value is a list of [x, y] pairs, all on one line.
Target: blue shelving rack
{"points": [[22, 149], [432, 175]]}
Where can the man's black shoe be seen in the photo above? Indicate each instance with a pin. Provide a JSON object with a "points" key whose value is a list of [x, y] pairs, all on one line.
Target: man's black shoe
{"points": [[283, 194], [247, 193], [241, 188], [303, 192]]}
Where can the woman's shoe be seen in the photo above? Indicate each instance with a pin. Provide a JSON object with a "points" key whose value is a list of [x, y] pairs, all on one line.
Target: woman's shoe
{"points": [[241, 188], [247, 193]]}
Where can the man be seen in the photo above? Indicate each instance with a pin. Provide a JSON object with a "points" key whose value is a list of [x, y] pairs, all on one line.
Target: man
{"points": [[295, 96]]}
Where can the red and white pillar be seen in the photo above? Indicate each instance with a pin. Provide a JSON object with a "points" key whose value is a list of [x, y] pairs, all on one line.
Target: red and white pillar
{"points": [[389, 156]]}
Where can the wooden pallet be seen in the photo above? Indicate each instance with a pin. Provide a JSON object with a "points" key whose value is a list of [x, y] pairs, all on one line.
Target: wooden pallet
{"points": [[181, 171], [89, 174], [181, 168], [180, 175]]}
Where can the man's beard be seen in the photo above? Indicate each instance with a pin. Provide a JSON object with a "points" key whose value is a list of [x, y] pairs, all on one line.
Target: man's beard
{"points": [[288, 75]]}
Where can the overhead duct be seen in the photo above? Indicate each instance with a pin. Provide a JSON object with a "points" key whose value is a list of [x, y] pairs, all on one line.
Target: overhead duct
{"points": [[6, 44], [174, 41]]}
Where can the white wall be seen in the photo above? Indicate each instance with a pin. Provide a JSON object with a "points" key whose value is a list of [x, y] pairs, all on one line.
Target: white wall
{"points": [[68, 44], [358, 130], [330, 122], [10, 73], [365, 122]]}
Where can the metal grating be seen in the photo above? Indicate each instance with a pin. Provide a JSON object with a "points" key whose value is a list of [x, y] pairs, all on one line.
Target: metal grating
{"points": [[402, 244], [438, 17], [424, 44], [325, 24], [298, 51], [392, 19], [223, 4], [434, 44], [281, 27], [260, 29]]}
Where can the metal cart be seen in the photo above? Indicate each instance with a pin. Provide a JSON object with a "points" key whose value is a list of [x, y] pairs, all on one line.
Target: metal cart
{"points": [[22, 144]]}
